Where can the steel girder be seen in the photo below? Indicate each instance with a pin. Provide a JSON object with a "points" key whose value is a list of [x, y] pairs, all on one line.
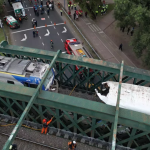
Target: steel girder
{"points": [[28, 107], [102, 71], [91, 118]]}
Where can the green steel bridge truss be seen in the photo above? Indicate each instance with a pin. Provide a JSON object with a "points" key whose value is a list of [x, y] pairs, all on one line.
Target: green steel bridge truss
{"points": [[94, 119]]}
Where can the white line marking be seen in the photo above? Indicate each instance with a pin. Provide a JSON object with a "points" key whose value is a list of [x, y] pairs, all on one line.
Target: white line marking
{"points": [[40, 37], [43, 43], [36, 27], [91, 28], [54, 27], [24, 1], [30, 14], [26, 6], [95, 27], [48, 33], [61, 40], [88, 23], [57, 33], [25, 38], [48, 16], [65, 30], [45, 11], [51, 21], [101, 32], [28, 9]]}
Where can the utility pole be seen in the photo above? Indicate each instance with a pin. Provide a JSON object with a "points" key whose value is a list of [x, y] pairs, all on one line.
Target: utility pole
{"points": [[1, 25]]}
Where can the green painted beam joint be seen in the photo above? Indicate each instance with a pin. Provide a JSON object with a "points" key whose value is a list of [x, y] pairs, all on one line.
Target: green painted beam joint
{"points": [[27, 109], [117, 109]]}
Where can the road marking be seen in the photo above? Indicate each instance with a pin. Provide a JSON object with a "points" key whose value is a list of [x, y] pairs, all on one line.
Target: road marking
{"points": [[30, 14], [24, 8], [25, 38], [91, 28], [88, 23], [28, 9], [51, 21], [54, 27], [45, 11], [48, 33], [40, 37], [43, 43], [57, 33], [37, 28], [65, 30], [100, 32], [95, 27], [61, 40], [48, 16]]}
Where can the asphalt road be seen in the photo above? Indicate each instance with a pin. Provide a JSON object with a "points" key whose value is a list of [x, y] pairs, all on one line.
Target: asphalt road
{"points": [[24, 35]]}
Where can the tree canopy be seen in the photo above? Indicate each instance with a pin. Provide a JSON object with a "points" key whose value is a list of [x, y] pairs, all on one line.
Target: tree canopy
{"points": [[90, 6], [136, 13]]}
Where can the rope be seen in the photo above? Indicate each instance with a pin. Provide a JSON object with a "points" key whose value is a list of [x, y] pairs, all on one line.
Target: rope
{"points": [[72, 89], [22, 125]]}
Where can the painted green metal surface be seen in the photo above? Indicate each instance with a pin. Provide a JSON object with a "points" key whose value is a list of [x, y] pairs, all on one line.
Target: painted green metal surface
{"points": [[75, 114], [28, 107], [117, 109]]}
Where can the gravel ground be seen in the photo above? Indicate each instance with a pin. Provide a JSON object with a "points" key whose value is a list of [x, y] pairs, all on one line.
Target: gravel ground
{"points": [[79, 94], [36, 136]]}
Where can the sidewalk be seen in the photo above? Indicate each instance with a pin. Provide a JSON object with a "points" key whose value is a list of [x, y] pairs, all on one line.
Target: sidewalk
{"points": [[103, 36]]}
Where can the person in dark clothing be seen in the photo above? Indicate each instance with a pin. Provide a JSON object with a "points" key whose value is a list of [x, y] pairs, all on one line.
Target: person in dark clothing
{"points": [[120, 46], [74, 16], [33, 33], [86, 14], [123, 29], [48, 11], [36, 23], [132, 32], [13, 147], [42, 2], [128, 30]]}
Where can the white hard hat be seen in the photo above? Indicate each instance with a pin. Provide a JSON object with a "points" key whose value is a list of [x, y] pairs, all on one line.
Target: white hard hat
{"points": [[74, 142]]}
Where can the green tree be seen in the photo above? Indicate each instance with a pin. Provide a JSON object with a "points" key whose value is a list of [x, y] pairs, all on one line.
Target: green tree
{"points": [[136, 13], [1, 6], [90, 7]]}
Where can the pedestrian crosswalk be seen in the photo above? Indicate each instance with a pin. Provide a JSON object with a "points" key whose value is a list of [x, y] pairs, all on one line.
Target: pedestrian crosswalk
{"points": [[94, 28]]}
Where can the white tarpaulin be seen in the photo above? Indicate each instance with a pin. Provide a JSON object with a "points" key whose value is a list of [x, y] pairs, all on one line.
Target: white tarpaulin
{"points": [[133, 97]]}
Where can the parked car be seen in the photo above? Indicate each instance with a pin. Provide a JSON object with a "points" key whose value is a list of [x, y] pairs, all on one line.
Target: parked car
{"points": [[12, 22]]}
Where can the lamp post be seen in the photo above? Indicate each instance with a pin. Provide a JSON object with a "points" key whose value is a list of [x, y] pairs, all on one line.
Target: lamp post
{"points": [[1, 26]]}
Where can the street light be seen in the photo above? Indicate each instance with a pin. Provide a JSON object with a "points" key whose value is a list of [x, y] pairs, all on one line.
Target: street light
{"points": [[1, 26]]}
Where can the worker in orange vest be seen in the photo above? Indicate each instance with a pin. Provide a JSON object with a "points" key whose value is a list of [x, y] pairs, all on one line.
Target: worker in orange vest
{"points": [[72, 145], [45, 125]]}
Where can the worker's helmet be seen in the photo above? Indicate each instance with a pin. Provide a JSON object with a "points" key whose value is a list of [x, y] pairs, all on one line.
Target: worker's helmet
{"points": [[51, 40], [74, 142]]}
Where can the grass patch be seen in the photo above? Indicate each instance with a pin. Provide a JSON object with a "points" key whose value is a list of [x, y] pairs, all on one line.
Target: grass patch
{"points": [[7, 32]]}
